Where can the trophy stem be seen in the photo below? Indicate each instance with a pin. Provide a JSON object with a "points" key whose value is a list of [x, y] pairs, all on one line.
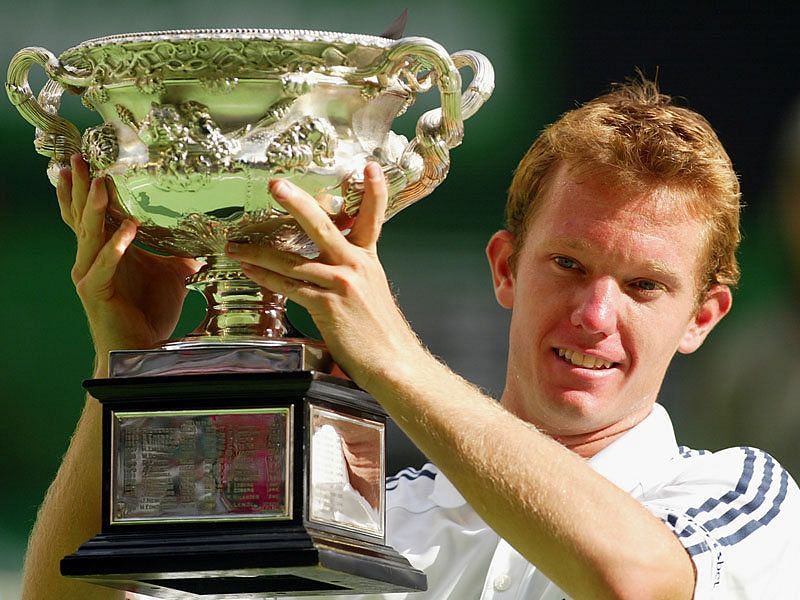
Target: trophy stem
{"points": [[236, 306]]}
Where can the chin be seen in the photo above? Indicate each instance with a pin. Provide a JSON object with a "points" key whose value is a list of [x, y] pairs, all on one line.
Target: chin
{"points": [[573, 413]]}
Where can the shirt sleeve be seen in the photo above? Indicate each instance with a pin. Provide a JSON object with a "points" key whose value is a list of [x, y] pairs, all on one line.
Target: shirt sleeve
{"points": [[737, 514], [705, 551]]}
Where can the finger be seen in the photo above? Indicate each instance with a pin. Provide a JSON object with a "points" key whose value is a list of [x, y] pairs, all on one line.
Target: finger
{"points": [[80, 186], [287, 264], [372, 211], [314, 221], [302, 292], [64, 195], [98, 280], [91, 228]]}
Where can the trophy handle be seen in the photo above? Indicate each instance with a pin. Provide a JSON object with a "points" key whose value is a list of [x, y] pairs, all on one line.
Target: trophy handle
{"points": [[56, 137], [440, 129]]}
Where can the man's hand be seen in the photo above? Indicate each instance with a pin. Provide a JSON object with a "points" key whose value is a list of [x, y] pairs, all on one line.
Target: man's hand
{"points": [[132, 298], [344, 289]]}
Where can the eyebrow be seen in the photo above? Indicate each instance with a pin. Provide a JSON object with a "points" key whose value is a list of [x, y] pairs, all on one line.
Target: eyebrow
{"points": [[575, 244]]}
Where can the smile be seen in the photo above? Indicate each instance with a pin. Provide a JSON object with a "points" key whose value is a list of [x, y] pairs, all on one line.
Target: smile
{"points": [[583, 360]]}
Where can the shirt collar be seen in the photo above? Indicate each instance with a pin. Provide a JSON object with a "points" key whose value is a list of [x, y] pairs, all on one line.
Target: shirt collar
{"points": [[634, 458], [627, 462]]}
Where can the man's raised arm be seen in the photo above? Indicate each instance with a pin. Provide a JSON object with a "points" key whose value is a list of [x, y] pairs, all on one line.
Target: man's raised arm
{"points": [[132, 300]]}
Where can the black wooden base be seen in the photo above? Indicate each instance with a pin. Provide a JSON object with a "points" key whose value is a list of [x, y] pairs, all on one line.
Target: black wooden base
{"points": [[280, 562], [293, 557]]}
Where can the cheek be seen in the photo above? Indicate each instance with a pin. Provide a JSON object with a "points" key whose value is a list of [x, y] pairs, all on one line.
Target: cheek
{"points": [[522, 331], [654, 340], [527, 329]]}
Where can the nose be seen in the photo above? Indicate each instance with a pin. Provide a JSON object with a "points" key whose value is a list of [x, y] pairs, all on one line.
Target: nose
{"points": [[597, 306]]}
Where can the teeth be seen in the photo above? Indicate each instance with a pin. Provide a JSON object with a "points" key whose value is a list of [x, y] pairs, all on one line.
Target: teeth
{"points": [[583, 360]]}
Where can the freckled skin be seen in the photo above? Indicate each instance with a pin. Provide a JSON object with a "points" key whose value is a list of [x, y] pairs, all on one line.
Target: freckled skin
{"points": [[608, 273]]}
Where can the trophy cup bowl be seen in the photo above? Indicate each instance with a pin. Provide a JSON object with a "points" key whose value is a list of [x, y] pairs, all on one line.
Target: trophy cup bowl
{"points": [[196, 122], [225, 453]]}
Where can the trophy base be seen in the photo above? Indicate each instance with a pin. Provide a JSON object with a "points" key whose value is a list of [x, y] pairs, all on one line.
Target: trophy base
{"points": [[294, 561], [207, 356], [241, 485]]}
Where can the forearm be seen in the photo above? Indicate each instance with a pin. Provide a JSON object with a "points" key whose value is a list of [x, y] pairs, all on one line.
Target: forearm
{"points": [[588, 536], [69, 516]]}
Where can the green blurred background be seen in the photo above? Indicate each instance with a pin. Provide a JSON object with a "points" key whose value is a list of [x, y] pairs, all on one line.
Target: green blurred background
{"points": [[736, 65]]}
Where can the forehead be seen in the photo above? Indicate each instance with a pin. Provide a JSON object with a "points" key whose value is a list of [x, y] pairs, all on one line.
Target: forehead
{"points": [[604, 190], [588, 213]]}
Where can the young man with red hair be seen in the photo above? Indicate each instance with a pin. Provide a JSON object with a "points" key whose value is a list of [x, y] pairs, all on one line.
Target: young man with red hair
{"points": [[619, 251]]}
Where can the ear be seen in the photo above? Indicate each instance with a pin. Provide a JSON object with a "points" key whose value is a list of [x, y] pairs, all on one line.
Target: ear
{"points": [[715, 305], [499, 251]]}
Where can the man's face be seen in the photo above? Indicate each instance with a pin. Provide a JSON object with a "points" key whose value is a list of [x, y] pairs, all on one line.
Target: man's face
{"points": [[603, 293]]}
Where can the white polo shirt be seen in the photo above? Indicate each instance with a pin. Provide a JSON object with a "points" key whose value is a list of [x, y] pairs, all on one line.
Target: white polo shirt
{"points": [[737, 512]]}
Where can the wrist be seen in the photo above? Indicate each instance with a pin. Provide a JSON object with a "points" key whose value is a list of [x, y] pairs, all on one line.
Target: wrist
{"points": [[398, 368], [100, 365]]}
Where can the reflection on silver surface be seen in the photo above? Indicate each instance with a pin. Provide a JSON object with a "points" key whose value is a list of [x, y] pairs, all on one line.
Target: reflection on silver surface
{"points": [[347, 471], [184, 466], [208, 359], [196, 122]]}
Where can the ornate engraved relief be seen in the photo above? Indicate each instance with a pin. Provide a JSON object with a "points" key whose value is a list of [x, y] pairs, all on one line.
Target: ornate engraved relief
{"points": [[308, 141], [197, 228], [216, 63], [218, 82], [275, 113], [126, 116], [200, 234], [334, 58], [255, 132], [100, 147], [151, 83], [185, 145], [295, 84], [94, 96], [208, 276], [370, 90]]}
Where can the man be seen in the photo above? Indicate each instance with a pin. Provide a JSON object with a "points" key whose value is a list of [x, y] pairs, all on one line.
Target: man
{"points": [[619, 251]]}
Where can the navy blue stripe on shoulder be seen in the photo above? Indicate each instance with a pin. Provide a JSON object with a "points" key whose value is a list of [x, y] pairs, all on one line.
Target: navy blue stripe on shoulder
{"points": [[735, 510], [741, 487], [750, 526], [694, 540], [687, 452], [698, 549], [410, 474]]}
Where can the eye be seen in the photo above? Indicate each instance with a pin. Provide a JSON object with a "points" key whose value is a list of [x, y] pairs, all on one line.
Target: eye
{"points": [[566, 263], [647, 286]]}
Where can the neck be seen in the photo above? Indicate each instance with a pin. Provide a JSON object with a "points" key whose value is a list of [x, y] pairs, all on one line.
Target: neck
{"points": [[586, 445], [585, 442]]}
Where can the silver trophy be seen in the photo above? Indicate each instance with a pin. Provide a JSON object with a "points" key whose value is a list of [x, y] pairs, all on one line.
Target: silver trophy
{"points": [[195, 123], [226, 451]]}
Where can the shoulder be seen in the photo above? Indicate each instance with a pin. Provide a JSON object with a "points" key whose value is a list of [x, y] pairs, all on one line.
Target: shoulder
{"points": [[410, 489], [736, 511], [732, 492], [744, 473]]}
